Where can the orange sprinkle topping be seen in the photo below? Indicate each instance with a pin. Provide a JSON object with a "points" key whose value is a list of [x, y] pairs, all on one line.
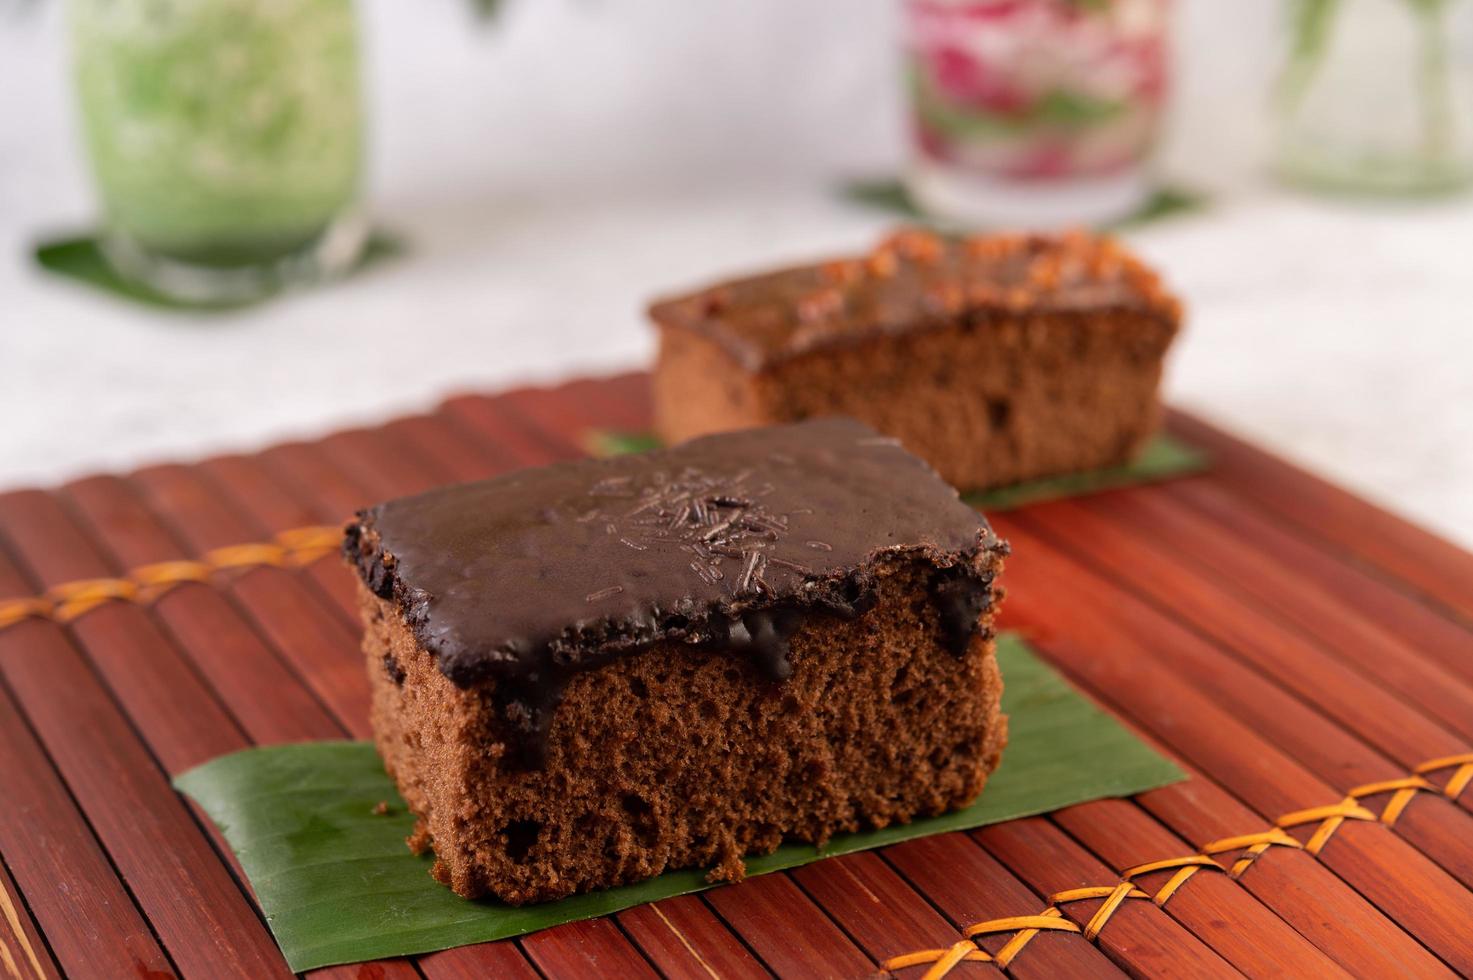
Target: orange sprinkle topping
{"points": [[882, 263], [820, 305], [915, 244], [842, 272]]}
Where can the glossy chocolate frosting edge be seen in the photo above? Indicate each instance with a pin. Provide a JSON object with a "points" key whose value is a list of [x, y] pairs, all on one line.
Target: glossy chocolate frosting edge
{"points": [[708, 312], [528, 689]]}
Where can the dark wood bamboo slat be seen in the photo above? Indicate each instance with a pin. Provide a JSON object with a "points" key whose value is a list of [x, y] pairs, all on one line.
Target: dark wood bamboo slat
{"points": [[319, 643], [559, 418], [1284, 591], [193, 904], [144, 670], [267, 698], [1297, 661], [1414, 555], [1111, 643], [621, 402], [787, 930], [70, 888], [23, 951], [436, 440], [1344, 660], [682, 938], [202, 620], [1357, 701], [595, 948], [1334, 753], [480, 417], [250, 489], [308, 475], [504, 959], [873, 905], [121, 641], [1422, 628]]}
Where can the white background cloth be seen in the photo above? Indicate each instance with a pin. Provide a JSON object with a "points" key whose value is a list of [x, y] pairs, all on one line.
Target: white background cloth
{"points": [[554, 171]]}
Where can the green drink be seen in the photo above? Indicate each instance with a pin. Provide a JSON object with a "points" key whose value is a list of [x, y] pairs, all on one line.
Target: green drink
{"points": [[226, 139]]}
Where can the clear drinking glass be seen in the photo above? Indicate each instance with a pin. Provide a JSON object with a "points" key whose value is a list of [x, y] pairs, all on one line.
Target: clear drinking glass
{"points": [[225, 138], [1034, 112], [1376, 96]]}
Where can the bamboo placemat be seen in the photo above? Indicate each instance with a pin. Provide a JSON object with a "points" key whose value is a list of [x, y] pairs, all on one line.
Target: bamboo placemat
{"points": [[1307, 657]]}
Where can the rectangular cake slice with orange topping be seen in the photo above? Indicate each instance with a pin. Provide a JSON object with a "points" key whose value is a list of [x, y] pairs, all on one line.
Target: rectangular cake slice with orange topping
{"points": [[997, 359]]}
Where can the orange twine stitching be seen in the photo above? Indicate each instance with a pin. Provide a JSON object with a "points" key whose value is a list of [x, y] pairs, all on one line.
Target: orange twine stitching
{"points": [[1186, 867], [304, 545], [1459, 780], [1402, 791], [942, 959], [1113, 898], [292, 548], [1252, 846], [156, 579], [72, 599], [1329, 819], [1025, 927], [14, 610]]}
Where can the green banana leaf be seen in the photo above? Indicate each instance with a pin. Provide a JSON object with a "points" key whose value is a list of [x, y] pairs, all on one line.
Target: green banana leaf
{"points": [[890, 194], [1163, 458], [327, 861], [80, 258]]}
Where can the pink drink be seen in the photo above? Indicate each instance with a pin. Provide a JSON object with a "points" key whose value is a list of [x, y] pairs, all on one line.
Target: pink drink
{"points": [[1034, 112]]}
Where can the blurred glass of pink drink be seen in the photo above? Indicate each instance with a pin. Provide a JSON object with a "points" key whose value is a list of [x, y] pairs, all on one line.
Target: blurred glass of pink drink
{"points": [[1036, 113]]}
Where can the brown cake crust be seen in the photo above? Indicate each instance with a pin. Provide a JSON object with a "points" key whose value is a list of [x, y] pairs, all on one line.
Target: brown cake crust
{"points": [[997, 359], [678, 757]]}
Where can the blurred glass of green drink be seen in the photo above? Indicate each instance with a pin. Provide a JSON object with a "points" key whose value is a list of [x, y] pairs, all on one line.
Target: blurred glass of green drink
{"points": [[226, 140]]}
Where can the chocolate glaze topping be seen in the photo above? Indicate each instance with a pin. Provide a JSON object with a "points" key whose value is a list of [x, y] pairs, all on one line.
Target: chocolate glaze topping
{"points": [[915, 280], [729, 541]]}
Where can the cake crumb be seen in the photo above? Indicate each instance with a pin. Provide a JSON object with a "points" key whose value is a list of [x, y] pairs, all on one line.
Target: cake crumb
{"points": [[419, 841], [730, 868]]}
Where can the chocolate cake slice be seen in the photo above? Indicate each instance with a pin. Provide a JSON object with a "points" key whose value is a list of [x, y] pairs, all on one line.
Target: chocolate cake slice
{"points": [[590, 673], [998, 359]]}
